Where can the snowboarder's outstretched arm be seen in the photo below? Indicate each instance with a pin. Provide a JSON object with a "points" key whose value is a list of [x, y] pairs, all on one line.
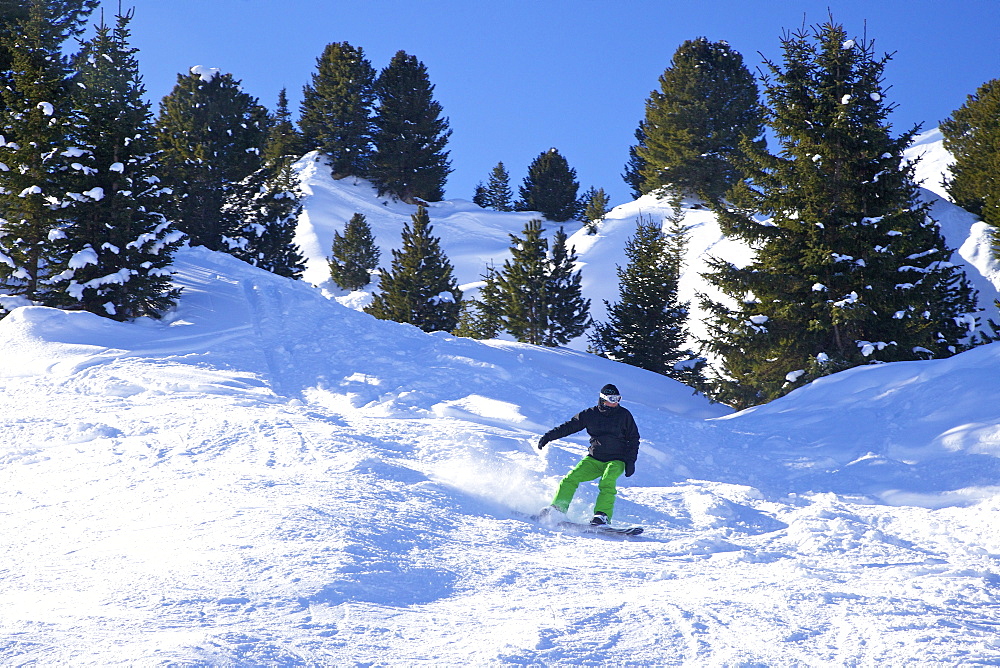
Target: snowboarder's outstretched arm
{"points": [[571, 426]]}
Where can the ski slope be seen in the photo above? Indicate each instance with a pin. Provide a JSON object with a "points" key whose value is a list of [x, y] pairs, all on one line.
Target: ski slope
{"points": [[267, 477]]}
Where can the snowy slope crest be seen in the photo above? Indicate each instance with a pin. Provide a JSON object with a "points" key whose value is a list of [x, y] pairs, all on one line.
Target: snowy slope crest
{"points": [[471, 237], [237, 318], [964, 231]]}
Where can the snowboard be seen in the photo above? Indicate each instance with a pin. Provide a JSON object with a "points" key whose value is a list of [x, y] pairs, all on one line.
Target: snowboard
{"points": [[599, 529]]}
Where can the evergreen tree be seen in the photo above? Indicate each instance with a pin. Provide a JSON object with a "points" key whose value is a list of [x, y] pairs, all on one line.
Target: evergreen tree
{"points": [[354, 254], [211, 134], [595, 206], [337, 109], [482, 318], [263, 213], [65, 18], [410, 160], [972, 136], [119, 247], [523, 285], [36, 152], [283, 140], [568, 312], [550, 187], [634, 166], [849, 269], [535, 297], [420, 288], [647, 326], [707, 101], [498, 192], [481, 197]]}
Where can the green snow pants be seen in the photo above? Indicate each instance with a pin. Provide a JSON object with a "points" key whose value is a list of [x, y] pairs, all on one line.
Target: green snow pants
{"points": [[590, 469]]}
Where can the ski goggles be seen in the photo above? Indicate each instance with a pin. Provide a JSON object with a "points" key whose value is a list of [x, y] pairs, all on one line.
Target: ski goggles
{"points": [[612, 398]]}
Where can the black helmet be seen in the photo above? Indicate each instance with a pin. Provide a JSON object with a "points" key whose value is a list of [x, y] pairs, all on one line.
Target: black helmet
{"points": [[610, 394]]}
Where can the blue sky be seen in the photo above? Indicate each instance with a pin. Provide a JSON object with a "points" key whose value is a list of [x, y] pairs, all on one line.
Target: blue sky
{"points": [[516, 77]]}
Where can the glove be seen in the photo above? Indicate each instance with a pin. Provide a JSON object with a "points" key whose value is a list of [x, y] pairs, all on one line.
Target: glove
{"points": [[629, 469], [542, 442]]}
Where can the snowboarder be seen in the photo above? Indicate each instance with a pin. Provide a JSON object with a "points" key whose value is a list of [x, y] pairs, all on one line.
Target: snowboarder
{"points": [[614, 447]]}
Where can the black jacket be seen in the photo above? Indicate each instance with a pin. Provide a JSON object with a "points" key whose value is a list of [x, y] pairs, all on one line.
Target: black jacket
{"points": [[613, 433]]}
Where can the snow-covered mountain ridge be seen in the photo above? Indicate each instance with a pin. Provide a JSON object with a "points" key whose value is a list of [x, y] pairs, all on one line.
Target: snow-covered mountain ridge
{"points": [[269, 478], [473, 237]]}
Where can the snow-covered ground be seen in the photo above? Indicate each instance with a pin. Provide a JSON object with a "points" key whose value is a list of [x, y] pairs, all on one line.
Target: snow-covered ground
{"points": [[269, 477]]}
